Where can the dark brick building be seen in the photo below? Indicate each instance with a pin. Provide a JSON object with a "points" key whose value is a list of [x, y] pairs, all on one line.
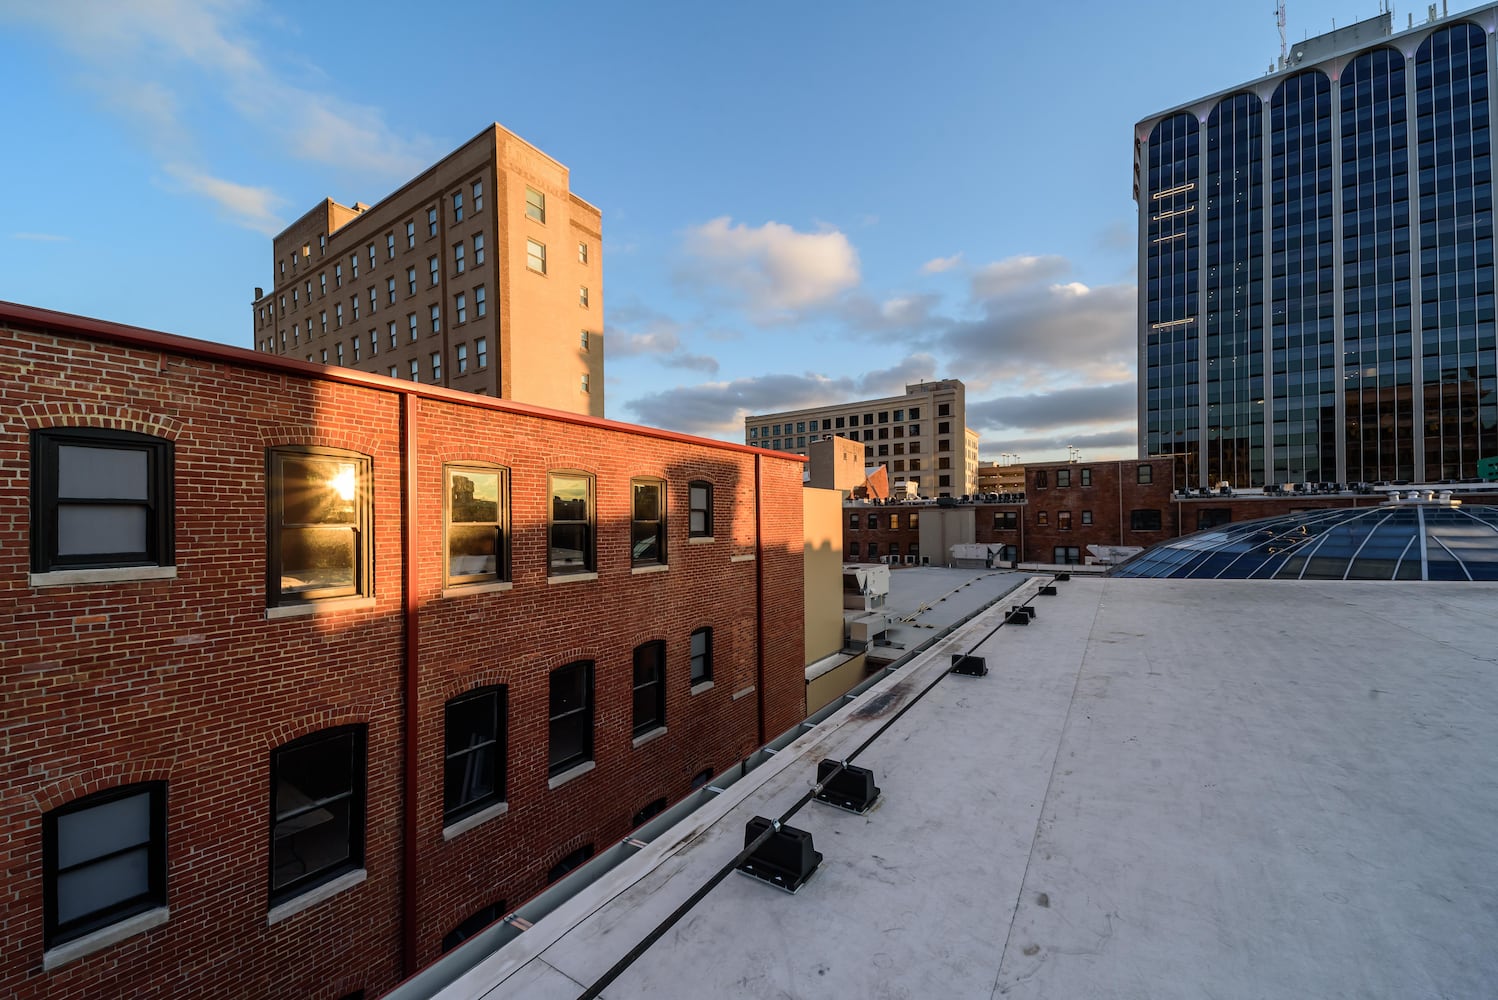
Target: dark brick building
{"points": [[305, 670]]}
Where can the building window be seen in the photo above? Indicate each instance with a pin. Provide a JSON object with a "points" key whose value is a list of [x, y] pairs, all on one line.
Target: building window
{"points": [[582, 339], [1043, 518], [1005, 520], [535, 256], [535, 205], [582, 253], [1086, 477], [389, 246], [354, 264], [477, 524], [436, 358], [462, 358], [436, 317], [650, 687], [873, 551], [702, 656], [478, 249], [1042, 479], [471, 925], [1063, 520], [390, 290], [410, 235], [322, 318], [1086, 517], [317, 809], [481, 352], [319, 512], [460, 307], [1144, 520], [571, 530], [473, 764], [393, 372], [853, 550], [1146, 475], [337, 275], [571, 862], [103, 859], [1066, 555], [582, 296], [478, 196], [571, 724], [415, 370], [374, 301], [944, 409], [700, 509], [1213, 517], [480, 302], [647, 533], [944, 480], [410, 281], [459, 263], [1063, 478], [854, 522], [458, 206], [584, 384], [411, 325], [648, 812], [431, 222], [873, 521], [338, 350], [338, 313], [432, 268], [391, 330], [99, 499]]}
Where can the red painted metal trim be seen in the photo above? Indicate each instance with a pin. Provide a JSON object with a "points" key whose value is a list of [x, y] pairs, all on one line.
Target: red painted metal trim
{"points": [[412, 612], [50, 321]]}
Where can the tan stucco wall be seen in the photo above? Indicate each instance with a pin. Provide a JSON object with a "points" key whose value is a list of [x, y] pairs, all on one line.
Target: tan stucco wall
{"points": [[822, 517], [835, 683]]}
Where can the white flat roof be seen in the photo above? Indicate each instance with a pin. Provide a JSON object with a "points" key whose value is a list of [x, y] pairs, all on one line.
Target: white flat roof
{"points": [[1162, 789]]}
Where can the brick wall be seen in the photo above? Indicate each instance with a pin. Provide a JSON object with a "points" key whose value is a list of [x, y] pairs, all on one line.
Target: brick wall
{"points": [[186, 681]]}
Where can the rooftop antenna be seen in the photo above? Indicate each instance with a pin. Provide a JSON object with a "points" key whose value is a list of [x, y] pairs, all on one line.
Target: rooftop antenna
{"points": [[1279, 19]]}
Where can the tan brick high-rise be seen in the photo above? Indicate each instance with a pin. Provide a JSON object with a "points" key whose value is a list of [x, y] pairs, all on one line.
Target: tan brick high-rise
{"points": [[483, 273]]}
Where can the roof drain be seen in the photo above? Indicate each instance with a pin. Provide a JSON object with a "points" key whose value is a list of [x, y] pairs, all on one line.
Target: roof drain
{"points": [[766, 829]]}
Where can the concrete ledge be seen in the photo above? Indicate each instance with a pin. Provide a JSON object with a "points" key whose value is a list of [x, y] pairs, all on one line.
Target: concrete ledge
{"points": [[55, 958], [571, 773], [703, 686], [638, 570], [466, 590], [744, 693], [649, 737], [572, 578], [118, 574], [701, 540], [745, 558], [315, 895], [325, 607], [477, 819]]}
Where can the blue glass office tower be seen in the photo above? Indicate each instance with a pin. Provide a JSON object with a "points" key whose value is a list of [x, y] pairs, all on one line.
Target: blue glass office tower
{"points": [[1316, 298]]}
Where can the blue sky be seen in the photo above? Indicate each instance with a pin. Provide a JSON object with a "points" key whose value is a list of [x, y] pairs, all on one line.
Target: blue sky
{"points": [[801, 203]]}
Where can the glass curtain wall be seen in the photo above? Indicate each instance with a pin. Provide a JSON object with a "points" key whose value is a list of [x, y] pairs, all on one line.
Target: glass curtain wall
{"points": [[1303, 308], [1376, 332], [1456, 252], [1234, 313], [1172, 408]]}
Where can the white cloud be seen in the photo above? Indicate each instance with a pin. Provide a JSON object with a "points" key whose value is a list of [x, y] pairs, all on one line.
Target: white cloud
{"points": [[1014, 273], [772, 269], [162, 64], [251, 207], [940, 264], [41, 237], [638, 331]]}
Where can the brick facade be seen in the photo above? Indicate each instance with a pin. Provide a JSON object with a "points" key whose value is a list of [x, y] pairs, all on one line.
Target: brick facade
{"points": [[189, 680]]}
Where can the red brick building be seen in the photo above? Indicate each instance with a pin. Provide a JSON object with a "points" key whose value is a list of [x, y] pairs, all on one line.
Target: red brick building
{"points": [[1068, 506], [306, 670]]}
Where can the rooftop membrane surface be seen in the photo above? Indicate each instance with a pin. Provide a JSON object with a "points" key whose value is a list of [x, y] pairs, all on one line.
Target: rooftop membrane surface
{"points": [[1162, 789]]}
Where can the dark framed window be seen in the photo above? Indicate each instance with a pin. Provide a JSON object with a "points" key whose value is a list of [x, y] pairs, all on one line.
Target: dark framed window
{"points": [[1063, 520], [873, 520], [1211, 517], [853, 550], [1005, 520], [1144, 520], [1086, 477], [648, 812], [571, 862], [477, 524], [1042, 518], [473, 762], [702, 778], [702, 655], [1066, 555], [571, 726], [318, 515], [647, 524], [1042, 479], [316, 809], [1146, 475], [571, 548], [1063, 478], [649, 687], [103, 859], [1086, 517], [472, 924], [700, 509], [913, 519], [100, 499], [854, 521]]}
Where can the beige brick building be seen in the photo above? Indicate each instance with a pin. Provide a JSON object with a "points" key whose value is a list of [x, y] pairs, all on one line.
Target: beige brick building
{"points": [[483, 273], [921, 437]]}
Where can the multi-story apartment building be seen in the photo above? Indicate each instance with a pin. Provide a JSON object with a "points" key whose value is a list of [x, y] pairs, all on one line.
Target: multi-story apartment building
{"points": [[484, 273], [1316, 249], [922, 437], [307, 673]]}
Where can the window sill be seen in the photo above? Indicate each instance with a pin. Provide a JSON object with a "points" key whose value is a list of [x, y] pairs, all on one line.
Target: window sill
{"points": [[477, 819], [649, 737], [323, 607], [744, 558], [71, 951], [702, 686], [639, 570], [701, 540], [314, 896], [465, 589], [572, 578], [571, 773], [114, 574], [744, 693]]}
